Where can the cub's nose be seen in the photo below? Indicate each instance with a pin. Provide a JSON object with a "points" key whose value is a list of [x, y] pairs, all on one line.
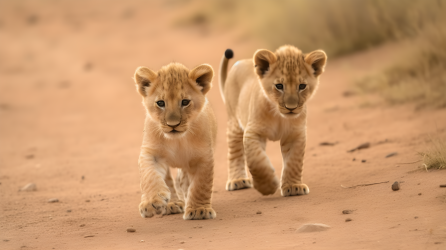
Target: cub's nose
{"points": [[172, 124], [173, 119]]}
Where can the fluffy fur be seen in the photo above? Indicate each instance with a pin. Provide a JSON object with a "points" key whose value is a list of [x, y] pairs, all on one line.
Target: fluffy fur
{"points": [[179, 132], [266, 99]]}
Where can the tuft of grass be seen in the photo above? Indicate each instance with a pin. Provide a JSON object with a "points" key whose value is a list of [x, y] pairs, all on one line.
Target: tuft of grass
{"points": [[420, 77], [435, 157]]}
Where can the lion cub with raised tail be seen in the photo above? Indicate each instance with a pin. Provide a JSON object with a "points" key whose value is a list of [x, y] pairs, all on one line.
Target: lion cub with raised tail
{"points": [[179, 132], [266, 99]]}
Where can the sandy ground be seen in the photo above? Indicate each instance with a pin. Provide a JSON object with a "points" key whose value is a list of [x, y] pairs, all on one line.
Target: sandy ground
{"points": [[71, 122]]}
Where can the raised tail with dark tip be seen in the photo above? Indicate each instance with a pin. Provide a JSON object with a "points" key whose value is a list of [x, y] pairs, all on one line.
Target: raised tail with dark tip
{"points": [[223, 73]]}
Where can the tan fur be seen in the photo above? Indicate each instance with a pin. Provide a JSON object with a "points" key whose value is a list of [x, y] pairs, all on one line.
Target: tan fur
{"points": [[190, 149], [258, 111]]}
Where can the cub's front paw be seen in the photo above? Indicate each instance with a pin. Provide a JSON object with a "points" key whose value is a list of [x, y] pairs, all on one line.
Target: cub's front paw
{"points": [[175, 207], [199, 213], [156, 204], [236, 184], [266, 187], [294, 189]]}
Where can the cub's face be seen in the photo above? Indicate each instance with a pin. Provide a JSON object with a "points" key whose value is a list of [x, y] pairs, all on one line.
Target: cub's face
{"points": [[288, 78], [174, 95]]}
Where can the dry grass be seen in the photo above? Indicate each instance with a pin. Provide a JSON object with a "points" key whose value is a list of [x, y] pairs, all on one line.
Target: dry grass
{"points": [[338, 27], [435, 157], [420, 77], [345, 26]]}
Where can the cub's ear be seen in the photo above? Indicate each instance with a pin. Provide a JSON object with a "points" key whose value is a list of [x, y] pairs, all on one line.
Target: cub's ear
{"points": [[143, 78], [263, 59], [317, 60], [202, 75]]}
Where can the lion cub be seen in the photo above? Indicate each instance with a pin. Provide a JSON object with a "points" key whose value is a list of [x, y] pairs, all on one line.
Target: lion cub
{"points": [[179, 132], [266, 99]]}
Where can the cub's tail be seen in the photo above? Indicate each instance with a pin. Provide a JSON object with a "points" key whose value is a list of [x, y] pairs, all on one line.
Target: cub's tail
{"points": [[224, 70]]}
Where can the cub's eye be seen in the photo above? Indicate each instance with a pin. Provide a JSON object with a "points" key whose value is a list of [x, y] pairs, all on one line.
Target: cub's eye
{"points": [[185, 102], [279, 86], [302, 86], [160, 103]]}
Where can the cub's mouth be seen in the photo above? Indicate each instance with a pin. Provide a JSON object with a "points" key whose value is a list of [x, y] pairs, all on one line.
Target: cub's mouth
{"points": [[174, 131], [291, 113]]}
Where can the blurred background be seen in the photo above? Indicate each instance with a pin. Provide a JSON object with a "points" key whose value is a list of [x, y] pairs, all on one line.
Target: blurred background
{"points": [[344, 27]]}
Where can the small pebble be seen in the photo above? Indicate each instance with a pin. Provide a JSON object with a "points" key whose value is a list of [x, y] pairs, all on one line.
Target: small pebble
{"points": [[419, 194], [82, 225], [182, 242], [395, 186], [83, 177], [29, 156], [53, 200], [315, 227], [348, 219], [416, 217], [142, 241], [131, 230], [29, 187], [88, 236], [443, 185], [69, 211], [32, 19], [259, 212], [347, 211], [363, 161], [88, 66], [391, 154], [354, 159]]}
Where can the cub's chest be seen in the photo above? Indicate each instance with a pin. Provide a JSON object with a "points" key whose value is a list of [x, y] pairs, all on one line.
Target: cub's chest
{"points": [[274, 132], [276, 129], [178, 155]]}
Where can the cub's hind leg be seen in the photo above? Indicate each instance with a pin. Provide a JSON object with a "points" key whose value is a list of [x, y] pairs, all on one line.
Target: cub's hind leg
{"points": [[237, 177], [176, 203]]}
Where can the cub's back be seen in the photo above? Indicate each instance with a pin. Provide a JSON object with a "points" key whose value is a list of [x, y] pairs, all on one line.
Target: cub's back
{"points": [[240, 84]]}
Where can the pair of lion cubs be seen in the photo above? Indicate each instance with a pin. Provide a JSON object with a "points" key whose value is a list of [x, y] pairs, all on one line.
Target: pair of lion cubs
{"points": [[265, 99]]}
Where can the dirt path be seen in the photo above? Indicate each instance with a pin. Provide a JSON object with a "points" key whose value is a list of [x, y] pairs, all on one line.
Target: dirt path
{"points": [[71, 122]]}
